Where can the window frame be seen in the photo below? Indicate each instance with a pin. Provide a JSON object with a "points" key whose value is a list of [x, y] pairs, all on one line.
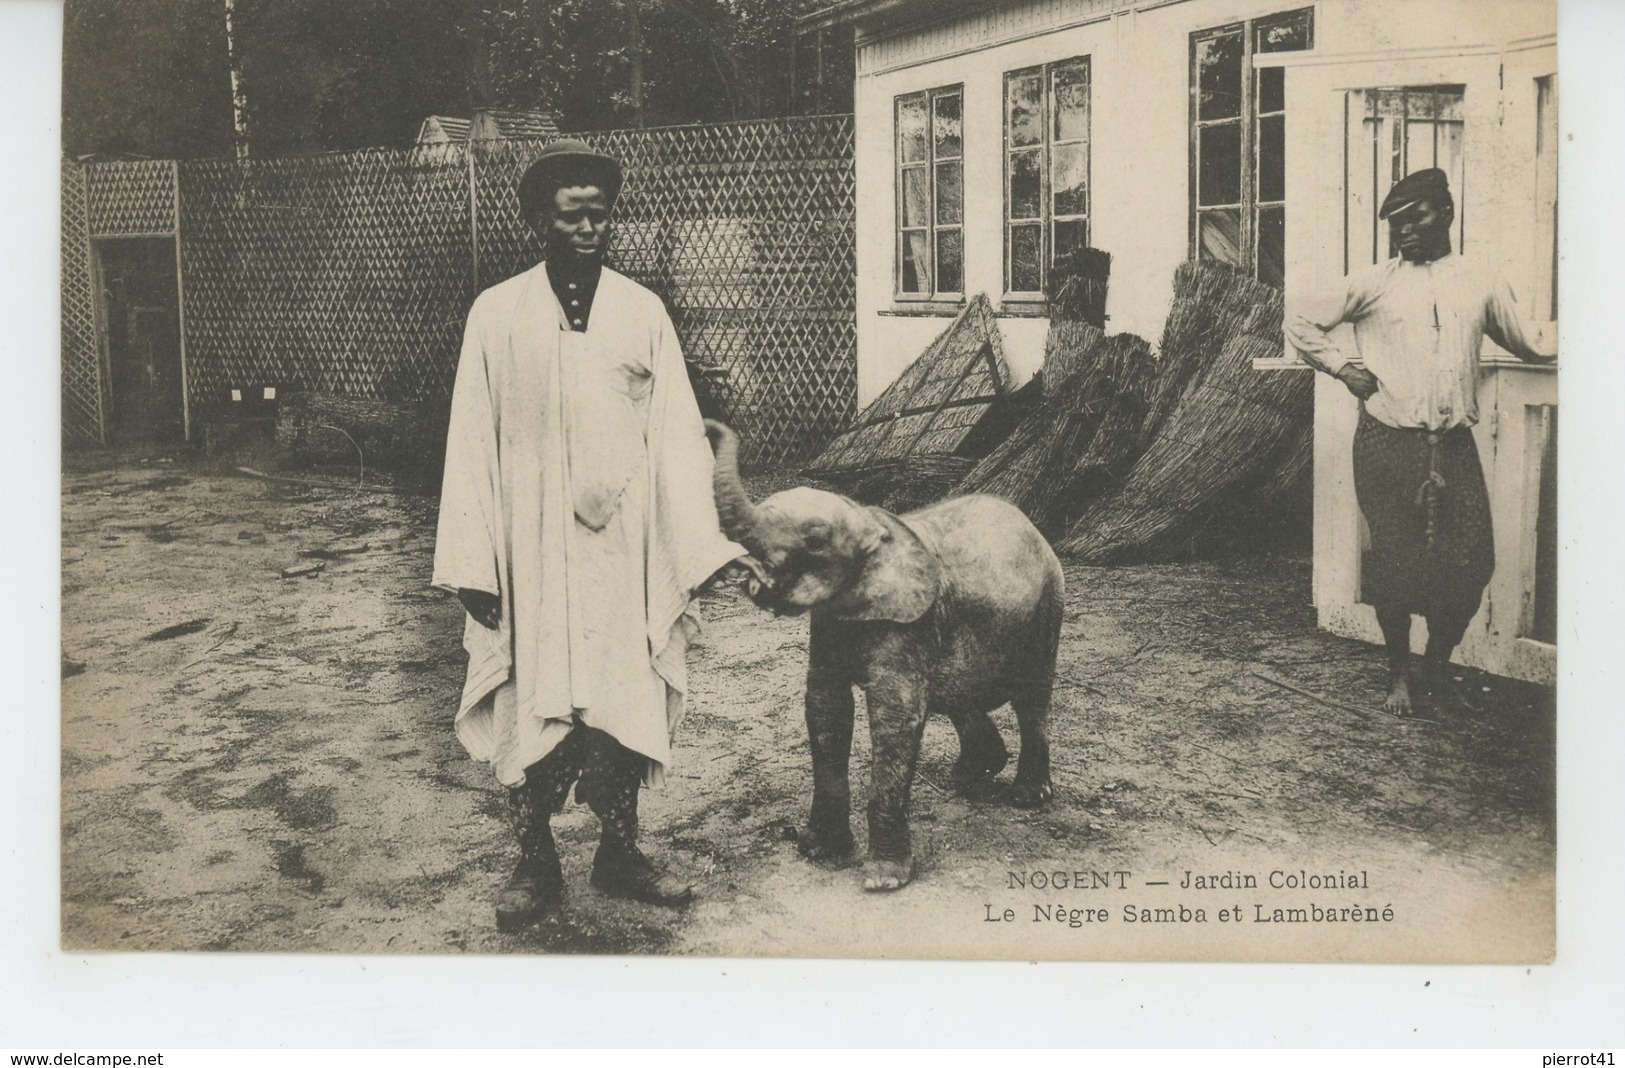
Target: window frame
{"points": [[1249, 121], [1047, 218], [929, 165], [1390, 159]]}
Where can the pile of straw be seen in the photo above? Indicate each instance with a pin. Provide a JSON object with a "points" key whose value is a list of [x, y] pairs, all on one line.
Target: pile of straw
{"points": [[1086, 428], [918, 438], [910, 483], [1231, 439]]}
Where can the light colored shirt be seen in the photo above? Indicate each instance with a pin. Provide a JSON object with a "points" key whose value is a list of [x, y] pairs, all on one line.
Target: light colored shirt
{"points": [[1419, 328]]}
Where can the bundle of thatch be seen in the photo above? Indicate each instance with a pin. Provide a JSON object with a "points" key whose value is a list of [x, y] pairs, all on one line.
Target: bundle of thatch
{"points": [[911, 483], [1077, 286], [1083, 381], [1228, 433], [1087, 423], [1124, 429], [921, 426]]}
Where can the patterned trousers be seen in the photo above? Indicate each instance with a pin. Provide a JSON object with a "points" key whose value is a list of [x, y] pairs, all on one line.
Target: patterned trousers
{"points": [[606, 775], [1423, 497]]}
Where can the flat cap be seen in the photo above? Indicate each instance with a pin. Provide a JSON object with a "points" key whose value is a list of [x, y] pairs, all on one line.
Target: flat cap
{"points": [[563, 163], [1414, 188]]}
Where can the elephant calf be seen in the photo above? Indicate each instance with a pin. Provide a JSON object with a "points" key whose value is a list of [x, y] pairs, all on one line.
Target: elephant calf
{"points": [[952, 609]]}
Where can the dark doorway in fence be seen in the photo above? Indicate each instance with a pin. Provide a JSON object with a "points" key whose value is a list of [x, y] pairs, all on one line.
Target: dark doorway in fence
{"points": [[141, 312]]}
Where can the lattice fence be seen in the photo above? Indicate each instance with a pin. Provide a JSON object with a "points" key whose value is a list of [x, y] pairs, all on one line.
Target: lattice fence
{"points": [[353, 273], [350, 274], [131, 198], [81, 353]]}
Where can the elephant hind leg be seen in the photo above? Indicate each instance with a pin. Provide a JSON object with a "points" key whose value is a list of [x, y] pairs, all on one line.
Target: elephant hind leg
{"points": [[1030, 700], [982, 753], [1031, 705]]}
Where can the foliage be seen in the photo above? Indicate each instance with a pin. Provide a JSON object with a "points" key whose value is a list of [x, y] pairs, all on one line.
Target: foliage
{"points": [[151, 77]]}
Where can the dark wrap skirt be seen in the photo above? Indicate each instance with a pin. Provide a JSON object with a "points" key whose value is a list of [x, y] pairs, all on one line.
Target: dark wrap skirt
{"points": [[1428, 510]]}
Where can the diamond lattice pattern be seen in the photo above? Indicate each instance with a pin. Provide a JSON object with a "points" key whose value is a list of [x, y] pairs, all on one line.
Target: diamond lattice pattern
{"points": [[353, 272], [81, 355]]}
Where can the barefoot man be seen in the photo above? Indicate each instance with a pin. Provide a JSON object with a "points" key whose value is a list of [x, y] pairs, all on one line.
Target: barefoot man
{"points": [[576, 519], [1419, 320]]}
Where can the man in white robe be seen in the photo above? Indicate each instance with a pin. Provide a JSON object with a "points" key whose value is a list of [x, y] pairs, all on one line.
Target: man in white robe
{"points": [[576, 521]]}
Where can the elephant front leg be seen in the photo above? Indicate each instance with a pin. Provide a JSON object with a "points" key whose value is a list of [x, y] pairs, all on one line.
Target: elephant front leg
{"points": [[897, 709], [828, 835]]}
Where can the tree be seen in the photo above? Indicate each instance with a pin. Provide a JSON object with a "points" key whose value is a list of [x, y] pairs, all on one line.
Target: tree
{"points": [[151, 76], [145, 77]]}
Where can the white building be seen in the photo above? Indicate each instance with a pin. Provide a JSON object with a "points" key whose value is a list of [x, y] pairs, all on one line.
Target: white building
{"points": [[991, 133]]}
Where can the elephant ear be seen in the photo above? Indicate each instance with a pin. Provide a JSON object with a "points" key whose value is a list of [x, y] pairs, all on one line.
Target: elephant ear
{"points": [[901, 578]]}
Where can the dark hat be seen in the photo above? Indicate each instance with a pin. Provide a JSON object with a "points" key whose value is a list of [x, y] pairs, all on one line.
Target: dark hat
{"points": [[1414, 188], [563, 163]]}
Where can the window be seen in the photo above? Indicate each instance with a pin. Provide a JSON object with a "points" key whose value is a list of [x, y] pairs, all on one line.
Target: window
{"points": [[930, 194], [1238, 142], [1393, 132], [1046, 170]]}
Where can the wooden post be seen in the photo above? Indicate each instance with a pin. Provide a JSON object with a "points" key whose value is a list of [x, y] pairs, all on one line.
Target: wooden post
{"points": [[98, 322], [474, 212], [180, 306], [104, 355]]}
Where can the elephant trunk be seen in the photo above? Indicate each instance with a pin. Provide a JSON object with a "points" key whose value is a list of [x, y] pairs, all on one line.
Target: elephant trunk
{"points": [[735, 511]]}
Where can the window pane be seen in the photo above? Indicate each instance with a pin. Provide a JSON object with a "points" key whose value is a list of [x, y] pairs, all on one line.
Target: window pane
{"points": [[1026, 247], [1026, 185], [1432, 102], [916, 197], [1024, 107], [916, 268], [1072, 102], [1070, 235], [1272, 246], [947, 125], [1421, 149], [1218, 76], [950, 261], [1071, 179], [1272, 158], [1218, 235], [911, 126], [1271, 89], [1219, 164], [950, 193], [1291, 32]]}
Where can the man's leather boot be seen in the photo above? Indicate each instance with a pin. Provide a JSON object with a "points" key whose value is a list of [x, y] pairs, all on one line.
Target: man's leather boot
{"points": [[537, 883], [622, 870], [619, 868]]}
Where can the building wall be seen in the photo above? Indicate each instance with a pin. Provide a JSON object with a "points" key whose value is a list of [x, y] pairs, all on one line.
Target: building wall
{"points": [[1140, 140], [1140, 209]]}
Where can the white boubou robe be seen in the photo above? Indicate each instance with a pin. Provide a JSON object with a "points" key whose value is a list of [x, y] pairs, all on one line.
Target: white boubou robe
{"points": [[578, 489]]}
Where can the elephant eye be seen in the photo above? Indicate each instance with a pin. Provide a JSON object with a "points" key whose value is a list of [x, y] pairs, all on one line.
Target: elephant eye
{"points": [[815, 539]]}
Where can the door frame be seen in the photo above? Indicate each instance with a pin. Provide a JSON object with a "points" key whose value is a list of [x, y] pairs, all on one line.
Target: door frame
{"points": [[103, 339]]}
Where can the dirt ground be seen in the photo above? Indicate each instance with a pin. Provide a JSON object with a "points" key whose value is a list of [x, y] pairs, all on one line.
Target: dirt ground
{"points": [[252, 762]]}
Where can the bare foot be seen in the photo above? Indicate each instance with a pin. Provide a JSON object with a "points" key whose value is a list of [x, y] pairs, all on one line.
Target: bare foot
{"points": [[1398, 702], [881, 875]]}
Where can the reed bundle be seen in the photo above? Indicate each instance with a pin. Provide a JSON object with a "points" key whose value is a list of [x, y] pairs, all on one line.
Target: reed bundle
{"points": [[1228, 437]]}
